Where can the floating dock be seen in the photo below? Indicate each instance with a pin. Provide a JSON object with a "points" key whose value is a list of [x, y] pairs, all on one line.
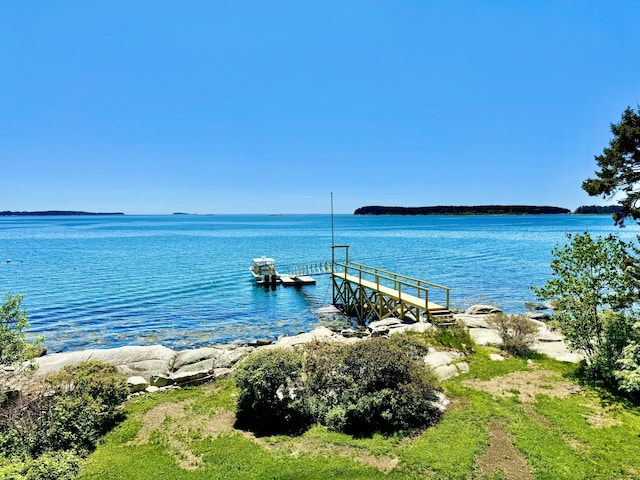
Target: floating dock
{"points": [[288, 280], [297, 280]]}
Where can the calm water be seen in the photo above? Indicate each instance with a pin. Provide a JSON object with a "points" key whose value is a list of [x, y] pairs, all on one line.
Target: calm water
{"points": [[183, 281]]}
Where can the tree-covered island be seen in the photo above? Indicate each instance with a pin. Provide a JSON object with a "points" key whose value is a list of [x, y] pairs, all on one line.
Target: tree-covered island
{"points": [[462, 210], [53, 213]]}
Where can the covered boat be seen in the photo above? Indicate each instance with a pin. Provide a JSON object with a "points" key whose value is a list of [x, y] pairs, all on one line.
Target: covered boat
{"points": [[264, 270]]}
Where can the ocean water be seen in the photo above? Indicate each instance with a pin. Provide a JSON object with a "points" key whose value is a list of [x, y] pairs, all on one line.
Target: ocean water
{"points": [[183, 280]]}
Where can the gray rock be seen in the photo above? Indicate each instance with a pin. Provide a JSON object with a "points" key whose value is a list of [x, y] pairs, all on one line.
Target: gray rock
{"points": [[189, 357], [535, 306], [137, 384], [387, 322], [131, 360], [463, 367], [445, 372], [190, 378], [232, 356], [161, 380], [480, 309], [541, 316]]}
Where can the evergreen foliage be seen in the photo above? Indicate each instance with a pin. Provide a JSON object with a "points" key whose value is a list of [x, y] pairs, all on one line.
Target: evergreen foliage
{"points": [[462, 210], [619, 165]]}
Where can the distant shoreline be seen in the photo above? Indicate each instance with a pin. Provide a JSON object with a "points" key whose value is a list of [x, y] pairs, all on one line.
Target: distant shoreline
{"points": [[463, 210], [54, 213]]}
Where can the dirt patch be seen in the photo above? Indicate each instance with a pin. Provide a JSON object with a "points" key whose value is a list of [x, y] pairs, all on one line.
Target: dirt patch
{"points": [[525, 385], [503, 457], [177, 429], [600, 418], [296, 446]]}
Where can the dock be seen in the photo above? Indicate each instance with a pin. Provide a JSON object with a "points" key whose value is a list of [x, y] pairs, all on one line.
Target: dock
{"points": [[288, 280], [297, 280], [371, 293]]}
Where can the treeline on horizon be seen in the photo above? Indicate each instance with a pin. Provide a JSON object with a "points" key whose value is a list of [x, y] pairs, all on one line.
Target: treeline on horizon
{"points": [[462, 210], [8, 213]]}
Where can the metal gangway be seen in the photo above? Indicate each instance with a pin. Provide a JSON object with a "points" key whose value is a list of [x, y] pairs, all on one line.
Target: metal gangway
{"points": [[317, 268]]}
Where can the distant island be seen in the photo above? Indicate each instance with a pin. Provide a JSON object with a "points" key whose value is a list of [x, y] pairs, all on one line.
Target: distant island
{"points": [[53, 213], [598, 209], [462, 210]]}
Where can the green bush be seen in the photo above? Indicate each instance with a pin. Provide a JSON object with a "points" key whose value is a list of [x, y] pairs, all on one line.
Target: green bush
{"points": [[516, 331], [83, 406], [382, 389], [50, 466], [269, 400], [377, 385]]}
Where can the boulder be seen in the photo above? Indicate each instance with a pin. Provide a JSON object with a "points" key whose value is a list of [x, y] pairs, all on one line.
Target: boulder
{"points": [[535, 306], [137, 384], [387, 322], [463, 367], [445, 372], [131, 361], [541, 316], [232, 356], [480, 309], [189, 357]]}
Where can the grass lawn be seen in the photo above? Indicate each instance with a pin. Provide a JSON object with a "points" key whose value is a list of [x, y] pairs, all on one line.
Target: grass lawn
{"points": [[512, 419]]}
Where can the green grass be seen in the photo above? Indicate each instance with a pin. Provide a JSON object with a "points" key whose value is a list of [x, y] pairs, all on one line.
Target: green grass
{"points": [[589, 435]]}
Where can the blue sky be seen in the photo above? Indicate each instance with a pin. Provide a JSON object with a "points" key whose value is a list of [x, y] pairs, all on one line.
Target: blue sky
{"points": [[267, 107]]}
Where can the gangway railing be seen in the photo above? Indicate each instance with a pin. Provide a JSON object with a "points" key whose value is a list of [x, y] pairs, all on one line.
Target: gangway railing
{"points": [[400, 283], [317, 268]]}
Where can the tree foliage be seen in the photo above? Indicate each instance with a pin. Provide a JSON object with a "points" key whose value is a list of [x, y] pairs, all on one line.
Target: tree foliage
{"points": [[589, 278], [619, 167], [13, 324]]}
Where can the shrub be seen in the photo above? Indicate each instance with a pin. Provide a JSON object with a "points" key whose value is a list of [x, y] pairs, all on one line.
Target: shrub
{"points": [[516, 331], [382, 389], [628, 365], [83, 406], [50, 466], [13, 323], [269, 400], [377, 385]]}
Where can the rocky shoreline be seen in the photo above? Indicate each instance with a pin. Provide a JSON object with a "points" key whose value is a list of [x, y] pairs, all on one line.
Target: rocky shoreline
{"points": [[150, 368]]}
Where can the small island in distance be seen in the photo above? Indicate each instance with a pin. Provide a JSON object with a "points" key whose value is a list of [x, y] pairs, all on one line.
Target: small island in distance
{"points": [[52, 213], [462, 210]]}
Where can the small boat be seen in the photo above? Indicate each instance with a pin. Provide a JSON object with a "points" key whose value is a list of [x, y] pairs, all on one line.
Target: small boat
{"points": [[264, 270]]}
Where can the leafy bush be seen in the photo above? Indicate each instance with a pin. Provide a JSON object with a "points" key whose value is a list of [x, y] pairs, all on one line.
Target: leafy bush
{"points": [[83, 406], [13, 323], [382, 389], [269, 402], [516, 331], [50, 466], [377, 385], [628, 365]]}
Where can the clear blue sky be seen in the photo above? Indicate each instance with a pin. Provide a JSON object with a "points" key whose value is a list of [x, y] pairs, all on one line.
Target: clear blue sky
{"points": [[267, 107]]}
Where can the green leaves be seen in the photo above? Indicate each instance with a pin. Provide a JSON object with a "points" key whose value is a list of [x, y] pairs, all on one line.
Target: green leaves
{"points": [[589, 277]]}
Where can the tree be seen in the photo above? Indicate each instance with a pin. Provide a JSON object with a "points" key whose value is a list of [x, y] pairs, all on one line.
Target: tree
{"points": [[13, 323], [589, 280], [620, 167]]}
